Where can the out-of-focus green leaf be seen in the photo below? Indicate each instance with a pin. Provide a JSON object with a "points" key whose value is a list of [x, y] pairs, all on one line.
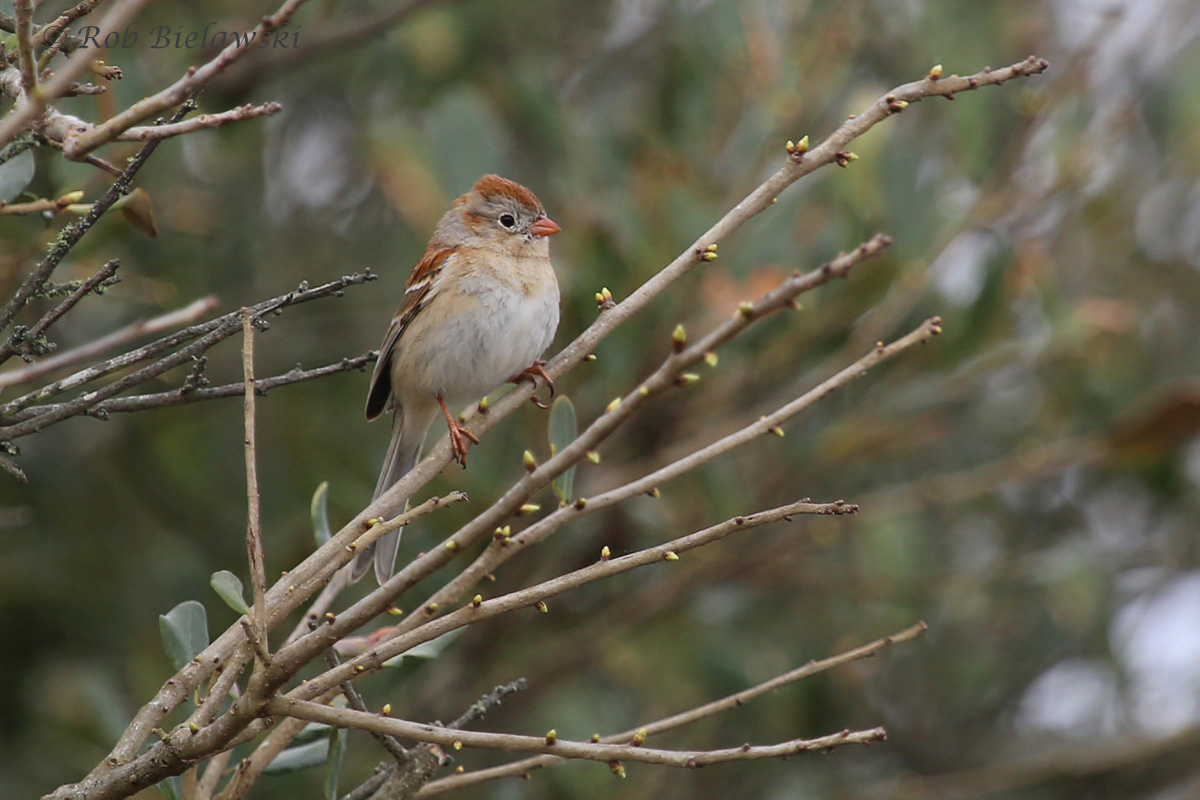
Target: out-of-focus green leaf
{"points": [[229, 589], [320, 513], [304, 756], [563, 428], [172, 787], [336, 754], [184, 631], [15, 175]]}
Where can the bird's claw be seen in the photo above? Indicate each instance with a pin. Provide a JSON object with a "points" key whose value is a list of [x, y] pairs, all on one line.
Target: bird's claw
{"points": [[531, 374]]}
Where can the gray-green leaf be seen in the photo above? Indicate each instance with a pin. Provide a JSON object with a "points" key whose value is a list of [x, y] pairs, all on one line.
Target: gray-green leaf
{"points": [[184, 631], [229, 589], [563, 429], [15, 175], [320, 513], [337, 751], [294, 759]]}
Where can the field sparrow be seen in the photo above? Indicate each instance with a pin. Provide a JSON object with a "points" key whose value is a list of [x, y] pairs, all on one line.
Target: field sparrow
{"points": [[480, 308]]}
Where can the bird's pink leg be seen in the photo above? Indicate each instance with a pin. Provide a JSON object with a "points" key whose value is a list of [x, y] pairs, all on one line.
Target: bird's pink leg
{"points": [[457, 434]]}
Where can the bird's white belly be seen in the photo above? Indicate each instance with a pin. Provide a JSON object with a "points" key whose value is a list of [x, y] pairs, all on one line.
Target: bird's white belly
{"points": [[494, 333]]}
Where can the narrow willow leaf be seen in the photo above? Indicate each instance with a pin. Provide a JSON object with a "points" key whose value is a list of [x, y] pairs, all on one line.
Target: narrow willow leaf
{"points": [[337, 751], [184, 631], [295, 759], [320, 513], [229, 589], [563, 429]]}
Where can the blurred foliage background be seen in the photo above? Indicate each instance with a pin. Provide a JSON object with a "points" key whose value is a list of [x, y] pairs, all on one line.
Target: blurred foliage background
{"points": [[1028, 483]]}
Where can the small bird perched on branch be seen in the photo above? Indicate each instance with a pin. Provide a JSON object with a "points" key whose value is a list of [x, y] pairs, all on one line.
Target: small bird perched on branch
{"points": [[479, 309]]}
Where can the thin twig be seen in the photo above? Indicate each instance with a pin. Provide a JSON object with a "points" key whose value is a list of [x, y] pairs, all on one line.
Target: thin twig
{"points": [[251, 768], [23, 9], [480, 708], [189, 392], [126, 769], [210, 333], [192, 81], [73, 233], [592, 751], [487, 562], [525, 766], [479, 609], [355, 701], [32, 105], [303, 294], [254, 534], [24, 341], [135, 330], [200, 122]]}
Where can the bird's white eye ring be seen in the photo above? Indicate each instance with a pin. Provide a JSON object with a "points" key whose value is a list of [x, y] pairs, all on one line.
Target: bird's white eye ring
{"points": [[508, 220]]}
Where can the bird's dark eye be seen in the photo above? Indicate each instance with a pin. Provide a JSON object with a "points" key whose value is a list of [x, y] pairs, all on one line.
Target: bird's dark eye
{"points": [[508, 220]]}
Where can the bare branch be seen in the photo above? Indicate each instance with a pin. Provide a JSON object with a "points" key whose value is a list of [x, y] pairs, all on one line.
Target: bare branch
{"points": [[479, 610], [480, 708], [194, 80], [74, 232], [796, 165], [525, 766], [198, 123], [254, 535], [210, 333], [493, 556], [358, 720], [25, 342], [23, 9], [38, 206], [172, 319], [33, 104], [126, 770]]}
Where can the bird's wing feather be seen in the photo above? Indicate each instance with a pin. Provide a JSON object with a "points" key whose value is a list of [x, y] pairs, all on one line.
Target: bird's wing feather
{"points": [[416, 294]]}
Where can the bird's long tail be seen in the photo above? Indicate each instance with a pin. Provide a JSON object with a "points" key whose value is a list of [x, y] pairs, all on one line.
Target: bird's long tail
{"points": [[402, 455]]}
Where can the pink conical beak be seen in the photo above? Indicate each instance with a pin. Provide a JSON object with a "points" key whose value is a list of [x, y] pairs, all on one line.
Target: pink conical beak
{"points": [[544, 226]]}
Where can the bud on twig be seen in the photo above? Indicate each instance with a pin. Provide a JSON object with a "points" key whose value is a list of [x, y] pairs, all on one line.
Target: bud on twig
{"points": [[678, 338], [529, 461]]}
